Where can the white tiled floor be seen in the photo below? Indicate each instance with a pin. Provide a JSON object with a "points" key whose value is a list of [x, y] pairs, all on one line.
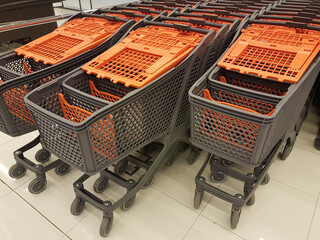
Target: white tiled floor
{"points": [[286, 208]]}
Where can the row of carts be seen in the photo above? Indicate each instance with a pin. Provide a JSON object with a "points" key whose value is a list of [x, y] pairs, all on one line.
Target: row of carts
{"points": [[129, 87]]}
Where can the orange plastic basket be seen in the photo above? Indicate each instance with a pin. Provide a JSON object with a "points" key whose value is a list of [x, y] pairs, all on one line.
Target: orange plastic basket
{"points": [[144, 55], [275, 52], [69, 40]]}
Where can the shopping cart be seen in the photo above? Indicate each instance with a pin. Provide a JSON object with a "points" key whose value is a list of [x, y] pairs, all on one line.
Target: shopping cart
{"points": [[193, 3], [40, 62], [141, 106], [153, 6], [246, 110], [230, 9], [138, 10]]}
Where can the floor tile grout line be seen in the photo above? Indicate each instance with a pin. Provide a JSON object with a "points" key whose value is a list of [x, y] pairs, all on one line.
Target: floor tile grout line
{"points": [[7, 142], [6, 186], [191, 227], [39, 212], [315, 209], [223, 227], [297, 189]]}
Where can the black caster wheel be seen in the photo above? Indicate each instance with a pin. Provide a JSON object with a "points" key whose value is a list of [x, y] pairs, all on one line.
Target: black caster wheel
{"points": [[128, 204], [218, 178], [287, 150], [235, 216], [252, 199], [148, 183], [62, 169], [100, 185], [105, 226], [198, 195], [77, 206], [316, 143], [266, 179], [227, 163], [17, 171], [184, 147], [42, 155], [37, 186], [170, 162], [193, 155], [121, 167]]}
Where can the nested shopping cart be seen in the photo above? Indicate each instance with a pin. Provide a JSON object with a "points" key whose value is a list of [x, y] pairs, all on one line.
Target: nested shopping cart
{"points": [[80, 39], [153, 6], [234, 25], [138, 10], [246, 110], [119, 102], [181, 5], [230, 9], [193, 3]]}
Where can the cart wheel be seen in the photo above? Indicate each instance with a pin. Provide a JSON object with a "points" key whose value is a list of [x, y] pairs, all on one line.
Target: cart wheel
{"points": [[252, 199], [198, 195], [193, 155], [227, 163], [235, 216], [128, 204], [121, 167], [62, 169], [101, 184], [17, 171], [287, 150], [37, 186], [184, 147], [170, 162], [148, 183], [266, 179], [218, 178], [105, 226], [42, 155], [316, 143], [77, 206]]}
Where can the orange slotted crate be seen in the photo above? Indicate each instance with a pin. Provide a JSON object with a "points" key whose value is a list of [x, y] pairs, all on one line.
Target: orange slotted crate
{"points": [[69, 40], [275, 52], [141, 12], [144, 55]]}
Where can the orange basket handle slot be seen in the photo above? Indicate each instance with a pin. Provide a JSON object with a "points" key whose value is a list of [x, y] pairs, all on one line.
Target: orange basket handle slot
{"points": [[207, 96], [107, 96], [69, 109], [26, 68]]}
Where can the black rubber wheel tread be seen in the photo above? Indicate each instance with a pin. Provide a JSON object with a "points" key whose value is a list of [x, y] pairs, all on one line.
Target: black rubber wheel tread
{"points": [[227, 163], [287, 149], [148, 183], [198, 195], [266, 179], [193, 156], [62, 169], [128, 204], [121, 167], [183, 147], [316, 143], [234, 219], [219, 178], [36, 186], [170, 162], [77, 206], [100, 185], [17, 171], [105, 226], [42, 155]]}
